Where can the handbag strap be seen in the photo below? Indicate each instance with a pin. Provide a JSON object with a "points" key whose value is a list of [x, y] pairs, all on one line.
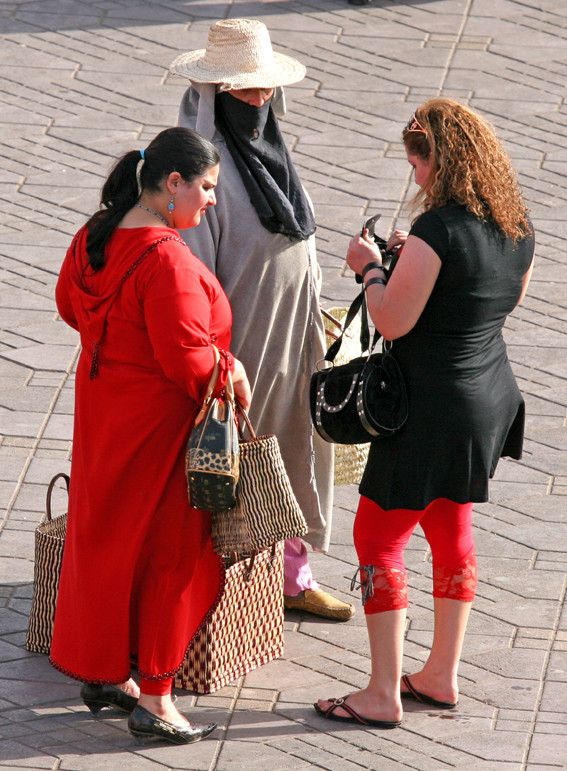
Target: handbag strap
{"points": [[210, 388], [364, 332], [61, 475], [359, 303]]}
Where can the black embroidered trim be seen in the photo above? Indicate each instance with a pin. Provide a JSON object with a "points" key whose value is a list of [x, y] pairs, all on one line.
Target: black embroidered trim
{"points": [[83, 679], [134, 659]]}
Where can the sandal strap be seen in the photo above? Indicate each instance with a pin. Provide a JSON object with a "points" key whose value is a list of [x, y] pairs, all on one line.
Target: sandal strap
{"points": [[342, 702]]}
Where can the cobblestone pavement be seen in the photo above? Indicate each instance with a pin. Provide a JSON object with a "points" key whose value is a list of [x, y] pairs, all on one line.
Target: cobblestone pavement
{"points": [[82, 82]]}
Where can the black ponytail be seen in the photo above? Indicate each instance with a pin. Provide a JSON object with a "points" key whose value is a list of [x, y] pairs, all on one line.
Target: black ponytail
{"points": [[175, 149]]}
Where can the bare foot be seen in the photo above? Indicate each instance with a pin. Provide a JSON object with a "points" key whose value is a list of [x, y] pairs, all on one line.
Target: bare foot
{"points": [[368, 705]]}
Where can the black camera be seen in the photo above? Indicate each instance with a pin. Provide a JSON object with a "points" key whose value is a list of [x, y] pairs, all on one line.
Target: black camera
{"points": [[370, 224]]}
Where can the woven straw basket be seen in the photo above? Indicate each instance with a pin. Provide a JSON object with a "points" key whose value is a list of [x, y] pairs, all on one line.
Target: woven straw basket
{"points": [[49, 543], [245, 631]]}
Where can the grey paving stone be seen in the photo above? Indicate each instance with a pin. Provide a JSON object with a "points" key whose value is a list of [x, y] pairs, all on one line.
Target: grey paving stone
{"points": [[9, 568]]}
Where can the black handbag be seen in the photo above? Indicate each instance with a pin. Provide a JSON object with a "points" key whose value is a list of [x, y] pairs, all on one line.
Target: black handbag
{"points": [[362, 400], [212, 458]]}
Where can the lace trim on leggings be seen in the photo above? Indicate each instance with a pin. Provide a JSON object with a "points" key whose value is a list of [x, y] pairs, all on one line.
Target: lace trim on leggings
{"points": [[382, 588], [456, 583]]}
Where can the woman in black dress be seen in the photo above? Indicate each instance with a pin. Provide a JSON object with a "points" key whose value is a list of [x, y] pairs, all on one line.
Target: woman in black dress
{"points": [[464, 266]]}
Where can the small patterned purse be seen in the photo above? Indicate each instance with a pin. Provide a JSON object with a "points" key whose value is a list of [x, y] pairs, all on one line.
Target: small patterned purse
{"points": [[212, 458]]}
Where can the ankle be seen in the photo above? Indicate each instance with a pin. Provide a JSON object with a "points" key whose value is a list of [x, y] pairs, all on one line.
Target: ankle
{"points": [[385, 698]]}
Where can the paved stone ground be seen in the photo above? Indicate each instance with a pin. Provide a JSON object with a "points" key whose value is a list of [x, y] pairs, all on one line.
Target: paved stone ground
{"points": [[83, 81]]}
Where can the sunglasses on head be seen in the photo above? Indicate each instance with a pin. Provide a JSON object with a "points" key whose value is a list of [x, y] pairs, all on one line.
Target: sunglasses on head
{"points": [[415, 125]]}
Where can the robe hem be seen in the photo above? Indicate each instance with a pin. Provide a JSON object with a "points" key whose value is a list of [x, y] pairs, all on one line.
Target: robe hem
{"points": [[141, 673], [83, 679]]}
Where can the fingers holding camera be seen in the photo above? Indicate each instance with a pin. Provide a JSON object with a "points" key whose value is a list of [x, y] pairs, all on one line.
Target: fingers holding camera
{"points": [[361, 251], [397, 239]]}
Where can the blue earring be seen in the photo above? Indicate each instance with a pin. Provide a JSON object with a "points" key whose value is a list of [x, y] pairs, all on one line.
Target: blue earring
{"points": [[171, 205]]}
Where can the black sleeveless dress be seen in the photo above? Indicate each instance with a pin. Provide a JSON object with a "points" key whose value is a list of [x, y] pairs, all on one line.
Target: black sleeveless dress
{"points": [[465, 408]]}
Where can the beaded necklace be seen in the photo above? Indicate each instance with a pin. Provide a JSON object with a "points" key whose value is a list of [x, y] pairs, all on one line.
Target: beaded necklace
{"points": [[155, 213]]}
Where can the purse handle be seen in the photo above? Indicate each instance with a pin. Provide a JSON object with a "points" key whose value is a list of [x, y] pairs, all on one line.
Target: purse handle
{"points": [[50, 491], [228, 388]]}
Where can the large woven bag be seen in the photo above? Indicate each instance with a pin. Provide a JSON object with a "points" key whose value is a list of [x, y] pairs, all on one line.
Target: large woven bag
{"points": [[350, 459], [246, 629], [266, 509], [49, 543]]}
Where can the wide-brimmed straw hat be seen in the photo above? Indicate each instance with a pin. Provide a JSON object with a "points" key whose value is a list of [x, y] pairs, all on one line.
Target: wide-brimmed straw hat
{"points": [[239, 55]]}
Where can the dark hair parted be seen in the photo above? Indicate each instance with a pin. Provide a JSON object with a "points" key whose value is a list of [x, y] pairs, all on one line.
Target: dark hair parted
{"points": [[470, 166], [175, 149]]}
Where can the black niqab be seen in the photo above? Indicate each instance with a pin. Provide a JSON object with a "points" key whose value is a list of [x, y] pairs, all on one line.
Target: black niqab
{"points": [[256, 144]]}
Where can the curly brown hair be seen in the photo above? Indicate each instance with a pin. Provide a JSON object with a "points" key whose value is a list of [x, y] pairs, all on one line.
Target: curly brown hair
{"points": [[471, 167]]}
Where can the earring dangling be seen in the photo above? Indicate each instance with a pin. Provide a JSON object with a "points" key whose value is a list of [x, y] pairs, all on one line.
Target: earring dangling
{"points": [[171, 205]]}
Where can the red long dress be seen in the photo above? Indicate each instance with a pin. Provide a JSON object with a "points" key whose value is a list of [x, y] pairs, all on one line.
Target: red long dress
{"points": [[139, 573]]}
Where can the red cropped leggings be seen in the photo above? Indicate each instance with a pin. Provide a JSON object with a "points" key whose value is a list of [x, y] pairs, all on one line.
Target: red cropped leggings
{"points": [[380, 538]]}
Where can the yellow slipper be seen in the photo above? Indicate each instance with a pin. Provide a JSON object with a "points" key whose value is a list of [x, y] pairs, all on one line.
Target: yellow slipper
{"points": [[320, 603]]}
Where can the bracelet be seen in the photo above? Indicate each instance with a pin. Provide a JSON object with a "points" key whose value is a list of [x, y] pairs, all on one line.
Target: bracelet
{"points": [[371, 266], [375, 281]]}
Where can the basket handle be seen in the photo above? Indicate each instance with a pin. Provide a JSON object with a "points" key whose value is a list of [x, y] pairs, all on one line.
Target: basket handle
{"points": [[244, 414], [50, 491], [248, 569], [332, 319]]}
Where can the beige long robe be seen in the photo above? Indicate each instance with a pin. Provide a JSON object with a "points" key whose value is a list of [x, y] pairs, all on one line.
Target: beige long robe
{"points": [[273, 287]]}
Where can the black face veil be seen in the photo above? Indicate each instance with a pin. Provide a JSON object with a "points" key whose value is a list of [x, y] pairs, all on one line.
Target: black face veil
{"points": [[254, 139]]}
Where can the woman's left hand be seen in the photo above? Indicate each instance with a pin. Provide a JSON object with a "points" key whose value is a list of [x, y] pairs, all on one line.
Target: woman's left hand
{"points": [[241, 385], [361, 251]]}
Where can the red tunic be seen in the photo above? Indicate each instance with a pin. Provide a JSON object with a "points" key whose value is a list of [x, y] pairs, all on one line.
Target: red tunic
{"points": [[139, 573]]}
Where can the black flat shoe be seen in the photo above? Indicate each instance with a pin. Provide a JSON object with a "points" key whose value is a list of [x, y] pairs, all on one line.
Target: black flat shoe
{"points": [[96, 696], [145, 725]]}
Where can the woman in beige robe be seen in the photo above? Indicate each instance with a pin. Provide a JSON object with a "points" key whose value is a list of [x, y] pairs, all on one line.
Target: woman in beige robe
{"points": [[272, 279]]}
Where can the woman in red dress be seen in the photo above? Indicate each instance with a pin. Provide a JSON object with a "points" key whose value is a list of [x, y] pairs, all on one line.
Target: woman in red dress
{"points": [[139, 573]]}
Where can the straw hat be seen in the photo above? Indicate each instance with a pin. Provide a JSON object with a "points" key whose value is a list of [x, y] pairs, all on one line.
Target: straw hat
{"points": [[239, 55]]}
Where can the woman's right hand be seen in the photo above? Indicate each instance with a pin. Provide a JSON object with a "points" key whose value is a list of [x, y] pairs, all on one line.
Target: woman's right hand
{"points": [[398, 238], [361, 251], [241, 385]]}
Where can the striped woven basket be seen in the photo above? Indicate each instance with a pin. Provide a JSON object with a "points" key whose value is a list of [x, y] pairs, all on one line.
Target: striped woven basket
{"points": [[245, 631], [266, 509], [350, 459], [49, 543]]}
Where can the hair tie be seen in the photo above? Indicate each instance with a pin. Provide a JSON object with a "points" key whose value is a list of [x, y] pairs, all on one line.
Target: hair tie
{"points": [[142, 154]]}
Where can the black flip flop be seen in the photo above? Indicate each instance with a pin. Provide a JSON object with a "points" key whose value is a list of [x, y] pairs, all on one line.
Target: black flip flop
{"points": [[423, 698], [353, 716]]}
